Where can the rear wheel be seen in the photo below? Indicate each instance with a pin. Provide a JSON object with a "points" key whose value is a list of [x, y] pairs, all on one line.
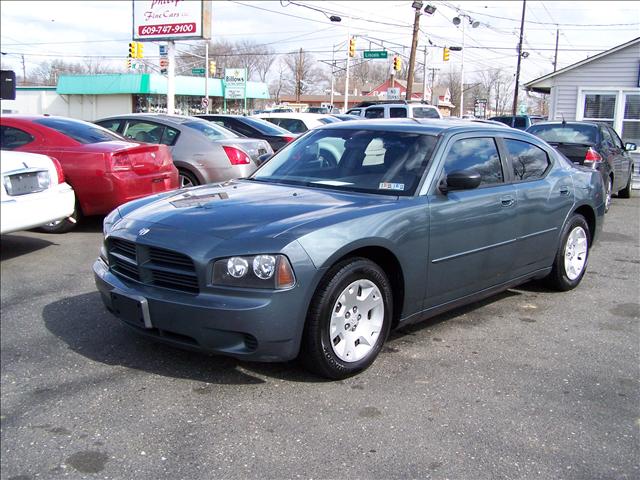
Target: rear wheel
{"points": [[64, 225], [349, 319], [570, 263], [626, 191], [187, 179]]}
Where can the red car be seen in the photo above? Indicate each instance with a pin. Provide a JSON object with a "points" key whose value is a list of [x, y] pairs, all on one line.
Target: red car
{"points": [[104, 169]]}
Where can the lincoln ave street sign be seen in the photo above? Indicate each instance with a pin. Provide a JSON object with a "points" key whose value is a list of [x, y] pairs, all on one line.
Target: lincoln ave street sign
{"points": [[374, 54]]}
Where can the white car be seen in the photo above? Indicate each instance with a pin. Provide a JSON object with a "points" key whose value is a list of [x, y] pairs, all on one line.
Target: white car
{"points": [[297, 122], [33, 192]]}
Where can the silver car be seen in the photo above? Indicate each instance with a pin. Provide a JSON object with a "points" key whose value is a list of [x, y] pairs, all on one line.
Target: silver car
{"points": [[202, 152]]}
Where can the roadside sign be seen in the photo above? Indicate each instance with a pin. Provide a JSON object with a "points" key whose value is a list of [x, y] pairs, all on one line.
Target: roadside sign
{"points": [[235, 83], [164, 51], [197, 71], [164, 62], [374, 54], [204, 102], [393, 94]]}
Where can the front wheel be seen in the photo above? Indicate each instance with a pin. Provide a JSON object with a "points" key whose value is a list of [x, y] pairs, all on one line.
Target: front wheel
{"points": [[570, 263], [348, 320]]}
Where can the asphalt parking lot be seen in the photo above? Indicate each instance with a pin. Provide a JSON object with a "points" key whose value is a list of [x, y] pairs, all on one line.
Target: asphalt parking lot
{"points": [[529, 384]]}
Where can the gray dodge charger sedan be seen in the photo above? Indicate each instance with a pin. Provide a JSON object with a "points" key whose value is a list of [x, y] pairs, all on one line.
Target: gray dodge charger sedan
{"points": [[351, 230]]}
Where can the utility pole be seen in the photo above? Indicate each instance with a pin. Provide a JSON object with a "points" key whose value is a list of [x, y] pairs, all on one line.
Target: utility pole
{"points": [[424, 76], [346, 80], [333, 71], [299, 77], [462, 74], [555, 57], [515, 93], [24, 72], [171, 78], [434, 100], [414, 45], [206, 75]]}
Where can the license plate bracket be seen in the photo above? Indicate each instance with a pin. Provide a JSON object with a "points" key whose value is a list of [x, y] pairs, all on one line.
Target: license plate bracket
{"points": [[132, 309]]}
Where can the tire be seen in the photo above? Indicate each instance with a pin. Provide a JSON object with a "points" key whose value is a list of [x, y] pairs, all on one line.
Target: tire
{"points": [[571, 259], [187, 179], [334, 343], [608, 194], [62, 226], [626, 191]]}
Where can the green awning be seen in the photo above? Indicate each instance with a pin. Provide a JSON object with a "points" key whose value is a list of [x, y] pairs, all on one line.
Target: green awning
{"points": [[147, 83]]}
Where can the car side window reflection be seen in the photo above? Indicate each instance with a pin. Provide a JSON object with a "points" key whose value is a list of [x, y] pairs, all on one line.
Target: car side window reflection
{"points": [[476, 154], [529, 162]]}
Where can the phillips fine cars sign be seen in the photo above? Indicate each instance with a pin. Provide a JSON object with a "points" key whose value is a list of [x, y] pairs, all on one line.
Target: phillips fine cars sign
{"points": [[171, 19]]}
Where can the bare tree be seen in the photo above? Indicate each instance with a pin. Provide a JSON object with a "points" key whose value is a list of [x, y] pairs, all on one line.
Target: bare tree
{"points": [[451, 80], [275, 88], [304, 76]]}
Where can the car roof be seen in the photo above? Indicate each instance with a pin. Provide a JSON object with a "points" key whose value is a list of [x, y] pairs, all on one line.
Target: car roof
{"points": [[175, 119], [431, 126], [301, 116]]}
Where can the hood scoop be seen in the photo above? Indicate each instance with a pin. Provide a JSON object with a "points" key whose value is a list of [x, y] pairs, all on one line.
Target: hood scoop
{"points": [[188, 200]]}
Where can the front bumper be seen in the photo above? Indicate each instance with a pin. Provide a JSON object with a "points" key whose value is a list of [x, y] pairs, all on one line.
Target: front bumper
{"points": [[252, 325]]}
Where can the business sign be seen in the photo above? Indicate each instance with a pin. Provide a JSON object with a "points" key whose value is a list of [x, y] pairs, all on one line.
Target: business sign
{"points": [[197, 71], [235, 83], [171, 19], [393, 94]]}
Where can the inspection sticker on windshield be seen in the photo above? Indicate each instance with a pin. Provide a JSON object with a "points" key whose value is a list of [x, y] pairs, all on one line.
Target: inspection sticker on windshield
{"points": [[391, 186]]}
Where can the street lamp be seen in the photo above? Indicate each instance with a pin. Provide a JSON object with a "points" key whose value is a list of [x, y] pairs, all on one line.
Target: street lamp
{"points": [[474, 24]]}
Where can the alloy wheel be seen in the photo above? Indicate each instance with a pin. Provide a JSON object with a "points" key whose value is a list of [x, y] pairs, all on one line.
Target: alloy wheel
{"points": [[575, 253]]}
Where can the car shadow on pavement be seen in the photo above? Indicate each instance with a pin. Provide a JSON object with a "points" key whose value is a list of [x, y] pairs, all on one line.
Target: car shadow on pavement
{"points": [[15, 245], [83, 323]]}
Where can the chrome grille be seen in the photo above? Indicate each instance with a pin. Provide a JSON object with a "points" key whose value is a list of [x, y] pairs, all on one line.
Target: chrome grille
{"points": [[152, 265]]}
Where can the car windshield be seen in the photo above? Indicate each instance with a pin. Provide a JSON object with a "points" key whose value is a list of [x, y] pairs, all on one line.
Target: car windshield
{"points": [[565, 133], [264, 127], [210, 130], [370, 161], [80, 131]]}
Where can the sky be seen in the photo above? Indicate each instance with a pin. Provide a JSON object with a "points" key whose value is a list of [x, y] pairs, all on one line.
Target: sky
{"points": [[78, 30]]}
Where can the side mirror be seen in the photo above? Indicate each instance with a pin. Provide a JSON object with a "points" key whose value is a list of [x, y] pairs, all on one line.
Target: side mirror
{"points": [[461, 180], [264, 157], [630, 147]]}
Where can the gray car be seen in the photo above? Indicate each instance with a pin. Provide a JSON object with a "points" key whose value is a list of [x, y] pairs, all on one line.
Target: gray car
{"points": [[202, 152], [319, 255]]}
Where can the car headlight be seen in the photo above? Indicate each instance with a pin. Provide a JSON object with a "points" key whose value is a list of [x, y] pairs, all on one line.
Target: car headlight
{"points": [[255, 271], [109, 221]]}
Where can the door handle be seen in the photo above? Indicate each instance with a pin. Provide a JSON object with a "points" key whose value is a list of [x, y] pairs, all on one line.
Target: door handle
{"points": [[507, 201], [564, 190]]}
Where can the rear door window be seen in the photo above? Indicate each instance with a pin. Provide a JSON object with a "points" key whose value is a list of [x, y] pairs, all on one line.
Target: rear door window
{"points": [[397, 112], [529, 162], [476, 154], [143, 131], [12, 138], [377, 112]]}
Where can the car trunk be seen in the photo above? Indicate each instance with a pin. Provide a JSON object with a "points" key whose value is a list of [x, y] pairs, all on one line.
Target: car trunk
{"points": [[143, 159], [576, 152]]}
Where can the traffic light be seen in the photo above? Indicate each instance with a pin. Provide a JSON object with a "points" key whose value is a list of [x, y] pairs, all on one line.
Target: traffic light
{"points": [[133, 49], [140, 50], [212, 68], [445, 54], [128, 63], [352, 47], [397, 63]]}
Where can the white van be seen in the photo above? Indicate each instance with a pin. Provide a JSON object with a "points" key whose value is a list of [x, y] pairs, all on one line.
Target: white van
{"points": [[401, 110]]}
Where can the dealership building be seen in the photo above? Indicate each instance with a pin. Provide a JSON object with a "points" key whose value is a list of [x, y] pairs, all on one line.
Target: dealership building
{"points": [[90, 97]]}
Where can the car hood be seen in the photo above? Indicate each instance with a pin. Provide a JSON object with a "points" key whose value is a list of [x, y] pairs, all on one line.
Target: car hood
{"points": [[254, 209]]}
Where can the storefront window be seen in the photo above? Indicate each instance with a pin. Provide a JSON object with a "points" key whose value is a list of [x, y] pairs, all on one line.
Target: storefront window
{"points": [[631, 121]]}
